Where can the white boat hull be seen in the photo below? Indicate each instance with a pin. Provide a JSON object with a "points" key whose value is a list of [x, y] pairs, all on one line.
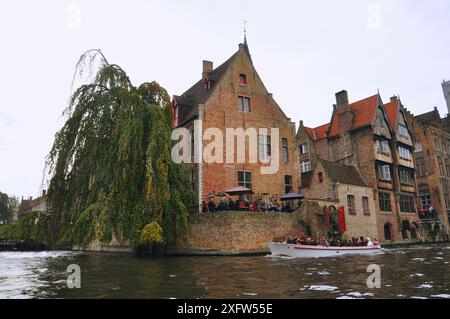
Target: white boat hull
{"points": [[299, 251]]}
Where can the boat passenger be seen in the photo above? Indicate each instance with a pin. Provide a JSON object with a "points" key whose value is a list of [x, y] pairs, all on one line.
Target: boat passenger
{"points": [[362, 241], [375, 242], [369, 242]]}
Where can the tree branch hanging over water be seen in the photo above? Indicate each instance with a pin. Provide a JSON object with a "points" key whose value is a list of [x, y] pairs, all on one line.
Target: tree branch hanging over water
{"points": [[110, 166]]}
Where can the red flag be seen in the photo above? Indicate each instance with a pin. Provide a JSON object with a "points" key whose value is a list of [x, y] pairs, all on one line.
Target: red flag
{"points": [[327, 217], [341, 220]]}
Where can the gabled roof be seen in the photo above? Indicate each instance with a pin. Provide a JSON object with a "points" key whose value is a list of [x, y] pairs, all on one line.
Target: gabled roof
{"points": [[318, 133], [198, 94], [364, 110], [343, 174], [392, 110], [428, 117]]}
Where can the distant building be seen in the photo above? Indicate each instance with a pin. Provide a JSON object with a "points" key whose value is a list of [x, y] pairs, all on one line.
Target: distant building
{"points": [[446, 90], [343, 186], [432, 157], [38, 205]]}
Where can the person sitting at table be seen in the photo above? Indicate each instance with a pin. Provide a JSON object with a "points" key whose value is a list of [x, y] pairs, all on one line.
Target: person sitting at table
{"points": [[211, 206], [204, 207]]}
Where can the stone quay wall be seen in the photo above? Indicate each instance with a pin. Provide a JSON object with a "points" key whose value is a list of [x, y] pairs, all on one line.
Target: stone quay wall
{"points": [[240, 233]]}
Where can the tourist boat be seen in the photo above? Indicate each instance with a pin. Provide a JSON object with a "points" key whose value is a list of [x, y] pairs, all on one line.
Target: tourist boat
{"points": [[299, 251]]}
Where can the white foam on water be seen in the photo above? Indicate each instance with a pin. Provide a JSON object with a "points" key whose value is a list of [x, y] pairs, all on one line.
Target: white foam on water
{"points": [[416, 275], [323, 273], [419, 259], [425, 286], [443, 296], [420, 298], [323, 288], [309, 274], [359, 295], [250, 294], [439, 258]]}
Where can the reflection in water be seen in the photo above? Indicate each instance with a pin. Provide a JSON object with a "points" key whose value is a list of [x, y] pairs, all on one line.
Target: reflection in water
{"points": [[416, 272]]}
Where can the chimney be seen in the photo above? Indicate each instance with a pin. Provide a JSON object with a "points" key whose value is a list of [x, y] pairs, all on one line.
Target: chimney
{"points": [[44, 192], [208, 66], [301, 124], [342, 99], [394, 98]]}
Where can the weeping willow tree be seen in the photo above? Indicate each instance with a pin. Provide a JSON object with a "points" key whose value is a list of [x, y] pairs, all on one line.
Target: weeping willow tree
{"points": [[110, 169]]}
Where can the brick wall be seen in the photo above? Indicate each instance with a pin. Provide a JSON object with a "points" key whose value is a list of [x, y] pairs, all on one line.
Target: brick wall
{"points": [[241, 232], [221, 111]]}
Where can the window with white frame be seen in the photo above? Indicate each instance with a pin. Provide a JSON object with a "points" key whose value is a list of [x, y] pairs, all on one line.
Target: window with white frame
{"points": [[244, 104], [405, 153], [406, 176], [304, 149], [418, 147], [264, 148], [285, 149], [383, 147], [306, 167], [384, 173], [403, 130]]}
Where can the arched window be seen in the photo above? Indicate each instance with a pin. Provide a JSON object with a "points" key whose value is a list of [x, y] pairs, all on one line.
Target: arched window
{"points": [[388, 231]]}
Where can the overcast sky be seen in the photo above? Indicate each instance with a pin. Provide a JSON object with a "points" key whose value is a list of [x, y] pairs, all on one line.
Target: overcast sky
{"points": [[305, 51]]}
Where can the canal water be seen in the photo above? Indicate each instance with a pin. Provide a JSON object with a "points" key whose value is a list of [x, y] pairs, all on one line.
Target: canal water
{"points": [[413, 272]]}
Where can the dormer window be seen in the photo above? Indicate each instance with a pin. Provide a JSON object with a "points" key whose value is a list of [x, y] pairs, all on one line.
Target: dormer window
{"points": [[242, 79]]}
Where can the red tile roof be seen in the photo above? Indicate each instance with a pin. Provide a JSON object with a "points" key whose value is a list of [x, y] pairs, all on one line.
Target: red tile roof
{"points": [[365, 112], [318, 133], [392, 109]]}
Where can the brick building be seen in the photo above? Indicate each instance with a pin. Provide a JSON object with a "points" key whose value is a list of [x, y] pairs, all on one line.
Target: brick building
{"points": [[432, 158], [234, 96], [377, 140], [312, 142], [343, 186]]}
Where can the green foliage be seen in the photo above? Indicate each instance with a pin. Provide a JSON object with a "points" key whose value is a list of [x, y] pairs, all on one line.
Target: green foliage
{"points": [[34, 228], [7, 207], [110, 166], [152, 234]]}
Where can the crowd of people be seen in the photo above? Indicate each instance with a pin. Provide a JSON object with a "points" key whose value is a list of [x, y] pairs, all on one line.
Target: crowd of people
{"points": [[257, 205], [332, 242]]}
